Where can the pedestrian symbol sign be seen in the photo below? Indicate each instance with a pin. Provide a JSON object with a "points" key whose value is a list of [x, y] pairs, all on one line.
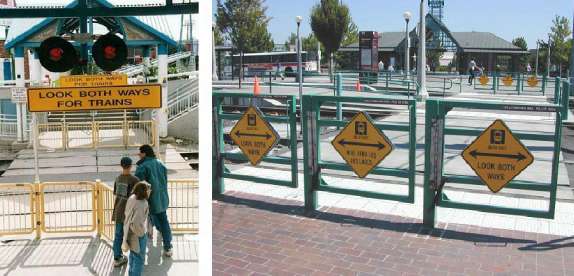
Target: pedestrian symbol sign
{"points": [[362, 144], [254, 136], [507, 80], [497, 156], [532, 81], [483, 80]]}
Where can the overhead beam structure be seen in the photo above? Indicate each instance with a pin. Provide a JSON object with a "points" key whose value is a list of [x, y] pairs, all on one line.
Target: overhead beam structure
{"points": [[84, 10]]}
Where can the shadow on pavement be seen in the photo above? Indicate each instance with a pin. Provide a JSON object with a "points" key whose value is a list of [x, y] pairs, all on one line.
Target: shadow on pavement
{"points": [[404, 227], [550, 245], [89, 255]]}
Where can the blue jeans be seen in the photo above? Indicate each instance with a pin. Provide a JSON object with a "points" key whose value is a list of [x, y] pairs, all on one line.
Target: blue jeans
{"points": [[118, 238], [161, 223], [137, 260]]}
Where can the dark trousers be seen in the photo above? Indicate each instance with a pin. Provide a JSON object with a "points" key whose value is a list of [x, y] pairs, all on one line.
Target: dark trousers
{"points": [[161, 223]]}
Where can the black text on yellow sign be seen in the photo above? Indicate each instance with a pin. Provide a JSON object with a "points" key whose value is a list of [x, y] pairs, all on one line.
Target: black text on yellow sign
{"points": [[362, 145], [93, 80], [94, 98], [254, 135], [497, 156]]}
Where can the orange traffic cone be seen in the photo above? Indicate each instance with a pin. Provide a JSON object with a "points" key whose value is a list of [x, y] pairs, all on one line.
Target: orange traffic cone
{"points": [[358, 86], [256, 88]]}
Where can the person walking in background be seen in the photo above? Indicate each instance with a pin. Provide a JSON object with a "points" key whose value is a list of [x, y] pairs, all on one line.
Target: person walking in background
{"points": [[123, 187], [153, 171], [135, 228], [471, 71]]}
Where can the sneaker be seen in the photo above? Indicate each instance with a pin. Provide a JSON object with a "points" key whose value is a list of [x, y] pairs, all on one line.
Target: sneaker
{"points": [[121, 261], [168, 253]]}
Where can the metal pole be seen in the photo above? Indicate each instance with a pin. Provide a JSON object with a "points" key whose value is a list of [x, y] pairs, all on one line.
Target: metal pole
{"points": [[407, 46], [214, 61], [35, 147], [537, 50], [548, 59], [299, 65], [572, 66], [422, 53]]}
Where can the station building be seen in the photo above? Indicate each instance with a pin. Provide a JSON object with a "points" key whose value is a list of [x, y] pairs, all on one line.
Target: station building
{"points": [[459, 48]]}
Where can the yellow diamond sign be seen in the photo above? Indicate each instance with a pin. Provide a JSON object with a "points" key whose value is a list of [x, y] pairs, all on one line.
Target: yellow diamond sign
{"points": [[483, 80], [532, 81], [362, 144], [507, 80], [497, 156], [254, 135]]}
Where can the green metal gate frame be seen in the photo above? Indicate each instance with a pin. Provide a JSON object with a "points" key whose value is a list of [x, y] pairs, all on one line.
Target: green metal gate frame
{"points": [[435, 177], [312, 122], [219, 155]]}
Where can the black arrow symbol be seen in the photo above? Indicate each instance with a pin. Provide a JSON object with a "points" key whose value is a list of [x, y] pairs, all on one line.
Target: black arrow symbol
{"points": [[379, 145], [266, 135], [518, 156]]}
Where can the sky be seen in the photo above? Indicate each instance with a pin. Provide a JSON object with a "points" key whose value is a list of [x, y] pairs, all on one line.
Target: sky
{"points": [[506, 18]]}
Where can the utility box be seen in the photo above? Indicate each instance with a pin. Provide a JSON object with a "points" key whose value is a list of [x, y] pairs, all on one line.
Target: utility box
{"points": [[368, 57]]}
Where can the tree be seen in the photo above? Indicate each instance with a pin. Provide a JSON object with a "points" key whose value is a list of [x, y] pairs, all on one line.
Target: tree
{"points": [[329, 22], [291, 40], [217, 36], [520, 42], [348, 59], [244, 23], [560, 42]]}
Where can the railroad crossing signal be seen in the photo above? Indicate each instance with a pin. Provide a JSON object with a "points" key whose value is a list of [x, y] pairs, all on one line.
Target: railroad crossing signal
{"points": [[59, 55], [532, 81], [507, 80], [254, 135], [497, 156], [483, 80], [362, 144]]}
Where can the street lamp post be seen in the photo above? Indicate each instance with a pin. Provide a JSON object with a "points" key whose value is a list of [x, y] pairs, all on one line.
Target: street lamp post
{"points": [[421, 70], [214, 76], [548, 59], [299, 19], [407, 16], [572, 67], [537, 50]]}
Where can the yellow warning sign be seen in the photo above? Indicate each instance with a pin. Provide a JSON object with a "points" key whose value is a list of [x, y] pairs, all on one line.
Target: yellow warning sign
{"points": [[94, 98], [362, 144], [254, 135], [507, 80], [483, 80], [93, 80], [532, 81], [496, 156]]}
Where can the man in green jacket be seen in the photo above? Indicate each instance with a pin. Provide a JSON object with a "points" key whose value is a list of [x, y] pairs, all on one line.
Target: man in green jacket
{"points": [[153, 171]]}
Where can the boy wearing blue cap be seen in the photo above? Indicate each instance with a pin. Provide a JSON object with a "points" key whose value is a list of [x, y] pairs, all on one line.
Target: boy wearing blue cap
{"points": [[123, 187]]}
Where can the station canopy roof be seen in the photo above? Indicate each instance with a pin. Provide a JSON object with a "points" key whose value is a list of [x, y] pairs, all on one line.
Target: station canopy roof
{"points": [[165, 29], [467, 42]]}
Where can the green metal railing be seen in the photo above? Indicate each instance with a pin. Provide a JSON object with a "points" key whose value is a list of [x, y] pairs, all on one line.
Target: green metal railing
{"points": [[220, 172], [435, 177], [313, 163]]}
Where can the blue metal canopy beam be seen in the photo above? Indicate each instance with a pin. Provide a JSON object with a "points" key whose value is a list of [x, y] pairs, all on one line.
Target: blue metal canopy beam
{"points": [[78, 11]]}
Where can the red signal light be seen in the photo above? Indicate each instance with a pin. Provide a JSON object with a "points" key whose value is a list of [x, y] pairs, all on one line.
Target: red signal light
{"points": [[56, 54]]}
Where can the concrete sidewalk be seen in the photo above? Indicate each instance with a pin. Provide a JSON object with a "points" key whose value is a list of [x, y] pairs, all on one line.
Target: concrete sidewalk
{"points": [[87, 255]]}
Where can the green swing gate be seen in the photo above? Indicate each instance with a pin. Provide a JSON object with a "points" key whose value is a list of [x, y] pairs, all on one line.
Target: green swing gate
{"points": [[242, 100], [435, 177], [313, 163]]}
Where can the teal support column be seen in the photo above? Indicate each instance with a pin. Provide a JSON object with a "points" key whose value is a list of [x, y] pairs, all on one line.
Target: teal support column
{"points": [[544, 79], [429, 206], [218, 187], [565, 99], [338, 89], [557, 90], [311, 175]]}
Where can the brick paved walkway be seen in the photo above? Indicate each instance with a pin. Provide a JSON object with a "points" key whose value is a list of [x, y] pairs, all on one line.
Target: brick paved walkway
{"points": [[256, 235]]}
